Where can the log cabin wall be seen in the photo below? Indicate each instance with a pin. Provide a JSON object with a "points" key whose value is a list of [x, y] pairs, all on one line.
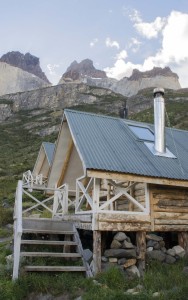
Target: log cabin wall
{"points": [[169, 208]]}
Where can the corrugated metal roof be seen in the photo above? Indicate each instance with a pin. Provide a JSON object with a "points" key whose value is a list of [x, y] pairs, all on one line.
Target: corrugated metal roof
{"points": [[49, 149], [107, 143]]}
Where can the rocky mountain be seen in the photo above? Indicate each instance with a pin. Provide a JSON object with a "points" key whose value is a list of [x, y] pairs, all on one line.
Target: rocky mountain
{"points": [[27, 62], [78, 71], [13, 80], [129, 86], [61, 96]]}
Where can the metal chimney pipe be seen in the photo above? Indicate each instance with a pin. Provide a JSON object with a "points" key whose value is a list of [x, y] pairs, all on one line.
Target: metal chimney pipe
{"points": [[159, 120]]}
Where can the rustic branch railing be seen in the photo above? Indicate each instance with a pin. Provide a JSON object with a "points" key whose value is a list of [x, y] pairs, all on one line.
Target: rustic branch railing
{"points": [[30, 180], [91, 198], [84, 201]]}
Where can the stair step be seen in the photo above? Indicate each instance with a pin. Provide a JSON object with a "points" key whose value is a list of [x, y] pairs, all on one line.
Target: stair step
{"points": [[55, 268], [49, 254], [47, 242], [31, 230]]}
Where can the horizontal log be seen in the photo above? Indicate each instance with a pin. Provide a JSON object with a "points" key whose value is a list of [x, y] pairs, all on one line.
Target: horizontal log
{"points": [[168, 215], [171, 222], [123, 206], [140, 198], [170, 203], [170, 209], [169, 197], [139, 193], [170, 227], [122, 218], [139, 186], [106, 226]]}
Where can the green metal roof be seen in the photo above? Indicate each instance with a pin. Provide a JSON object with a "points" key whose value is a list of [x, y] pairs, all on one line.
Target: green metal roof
{"points": [[49, 149], [108, 144]]}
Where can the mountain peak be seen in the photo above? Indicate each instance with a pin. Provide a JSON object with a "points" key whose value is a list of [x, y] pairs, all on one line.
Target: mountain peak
{"points": [[26, 62], [85, 68], [156, 71]]}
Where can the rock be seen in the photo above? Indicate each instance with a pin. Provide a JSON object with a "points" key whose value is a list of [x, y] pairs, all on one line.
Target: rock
{"points": [[133, 271], [27, 62], [127, 245], [78, 298], [135, 290], [185, 270], [156, 294], [179, 251], [151, 243], [163, 249], [170, 259], [120, 236], [154, 237], [13, 80], [171, 252], [156, 255], [88, 255], [113, 260], [162, 244], [9, 226], [115, 244], [96, 282], [9, 258], [104, 259], [157, 246], [77, 71], [121, 261], [120, 253], [149, 249], [129, 262]]}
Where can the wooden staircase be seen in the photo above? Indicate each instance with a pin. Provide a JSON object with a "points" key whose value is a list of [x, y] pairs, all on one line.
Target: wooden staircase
{"points": [[49, 245]]}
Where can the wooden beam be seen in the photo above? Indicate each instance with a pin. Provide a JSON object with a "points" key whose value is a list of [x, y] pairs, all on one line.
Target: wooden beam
{"points": [[123, 218], [137, 178], [106, 226], [183, 241], [141, 250], [66, 162], [96, 251]]}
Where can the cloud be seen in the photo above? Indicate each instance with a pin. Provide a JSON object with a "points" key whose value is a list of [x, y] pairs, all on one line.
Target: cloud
{"points": [[110, 43], [134, 45], [173, 51], [133, 14], [93, 42], [121, 55], [52, 68], [150, 30]]}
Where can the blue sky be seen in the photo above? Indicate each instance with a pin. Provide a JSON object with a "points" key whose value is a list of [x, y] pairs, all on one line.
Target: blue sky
{"points": [[118, 35]]}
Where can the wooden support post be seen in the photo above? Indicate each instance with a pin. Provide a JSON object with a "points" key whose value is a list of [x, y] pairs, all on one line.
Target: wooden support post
{"points": [[183, 241], [141, 249], [96, 251]]}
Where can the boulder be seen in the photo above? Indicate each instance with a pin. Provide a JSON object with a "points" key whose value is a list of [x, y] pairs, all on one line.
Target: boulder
{"points": [[129, 263], [113, 260], [120, 236], [115, 244], [121, 261], [171, 252], [133, 271], [149, 249], [179, 251], [170, 259], [127, 245], [120, 253], [154, 237], [156, 255], [88, 255]]}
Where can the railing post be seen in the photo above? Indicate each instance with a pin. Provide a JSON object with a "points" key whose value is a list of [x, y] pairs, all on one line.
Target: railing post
{"points": [[17, 229], [96, 192]]}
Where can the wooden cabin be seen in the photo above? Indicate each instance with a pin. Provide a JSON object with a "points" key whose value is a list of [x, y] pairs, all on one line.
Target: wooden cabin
{"points": [[44, 159], [120, 175], [118, 181]]}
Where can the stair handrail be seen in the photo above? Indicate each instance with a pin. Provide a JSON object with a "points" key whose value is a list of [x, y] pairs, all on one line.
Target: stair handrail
{"points": [[17, 229]]}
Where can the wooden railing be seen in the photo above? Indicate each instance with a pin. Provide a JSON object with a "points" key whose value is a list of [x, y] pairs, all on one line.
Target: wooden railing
{"points": [[31, 180], [92, 198], [17, 228]]}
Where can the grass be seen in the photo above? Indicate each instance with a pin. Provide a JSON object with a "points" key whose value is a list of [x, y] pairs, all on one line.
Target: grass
{"points": [[168, 280]]}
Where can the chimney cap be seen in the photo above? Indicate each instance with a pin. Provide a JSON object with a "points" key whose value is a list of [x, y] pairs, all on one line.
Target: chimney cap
{"points": [[158, 90]]}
